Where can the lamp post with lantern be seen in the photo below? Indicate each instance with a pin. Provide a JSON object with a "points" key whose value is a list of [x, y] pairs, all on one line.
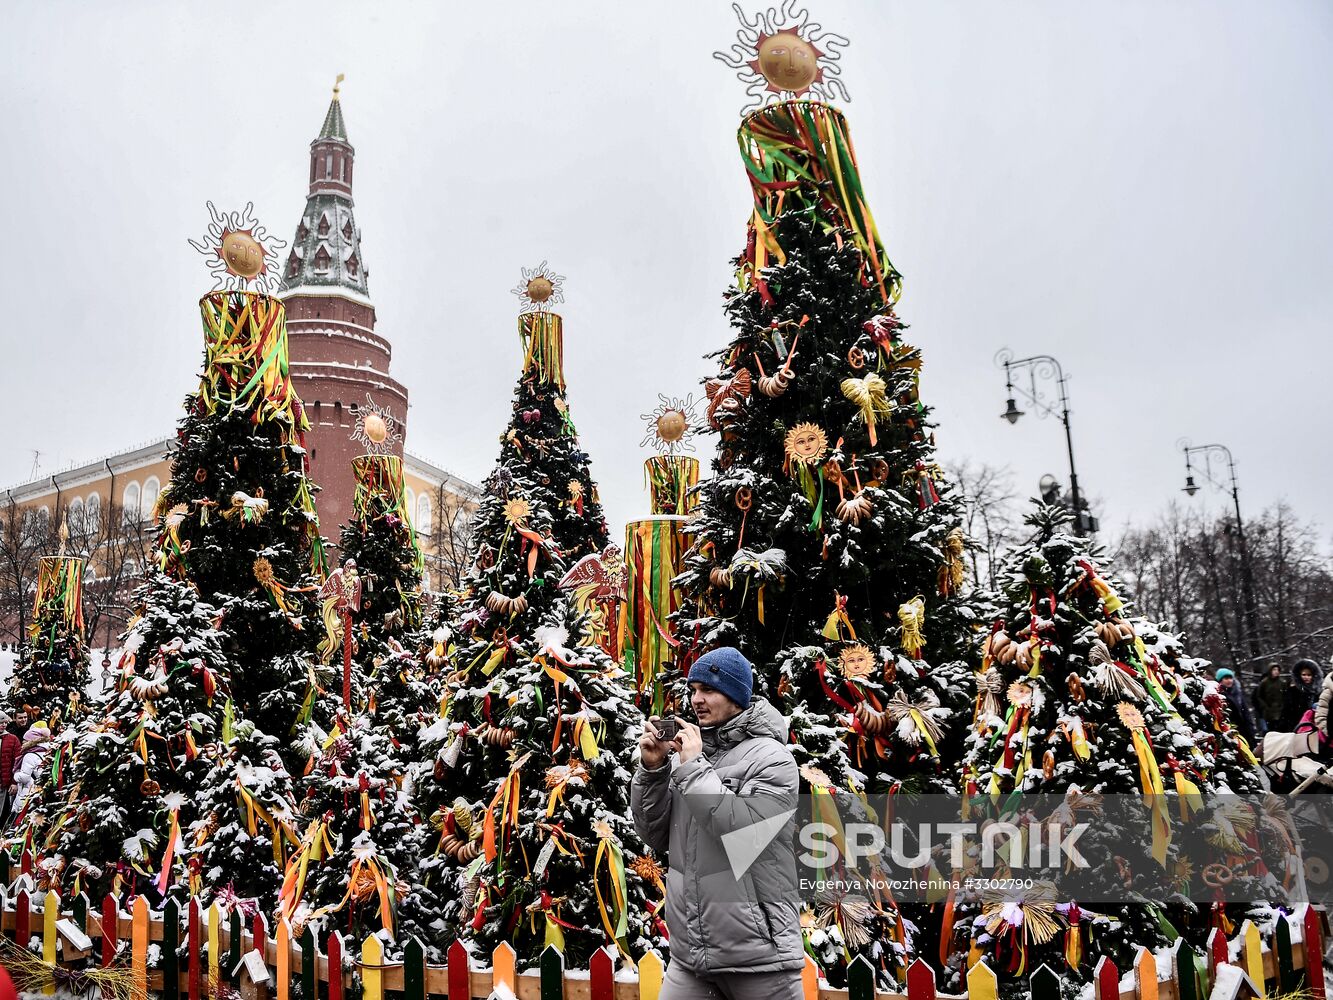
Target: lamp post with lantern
{"points": [[1043, 366], [1191, 487]]}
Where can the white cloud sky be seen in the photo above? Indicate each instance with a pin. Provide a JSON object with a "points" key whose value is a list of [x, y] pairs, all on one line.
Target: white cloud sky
{"points": [[1139, 188]]}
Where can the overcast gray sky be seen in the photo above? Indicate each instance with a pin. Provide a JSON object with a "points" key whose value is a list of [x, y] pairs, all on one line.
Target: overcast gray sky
{"points": [[1144, 189]]}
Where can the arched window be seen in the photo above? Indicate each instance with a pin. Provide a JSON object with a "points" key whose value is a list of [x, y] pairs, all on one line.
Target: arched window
{"points": [[92, 513], [89, 575], [425, 580], [129, 501], [74, 514], [422, 515], [151, 488], [43, 519], [410, 496]]}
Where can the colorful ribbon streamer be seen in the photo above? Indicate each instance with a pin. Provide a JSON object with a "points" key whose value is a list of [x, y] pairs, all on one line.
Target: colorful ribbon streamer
{"points": [[654, 550], [543, 339], [670, 479], [799, 157]]}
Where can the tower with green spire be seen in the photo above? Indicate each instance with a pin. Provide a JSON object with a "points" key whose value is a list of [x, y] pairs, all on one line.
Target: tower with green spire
{"points": [[339, 364]]}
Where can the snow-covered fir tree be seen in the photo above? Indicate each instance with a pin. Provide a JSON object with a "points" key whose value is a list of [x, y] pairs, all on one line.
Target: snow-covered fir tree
{"points": [[361, 834], [1078, 700], [238, 518], [827, 545], [527, 787], [151, 796], [51, 674]]}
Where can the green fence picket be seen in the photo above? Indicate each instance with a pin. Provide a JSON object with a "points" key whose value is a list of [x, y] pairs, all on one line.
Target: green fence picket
{"points": [[1044, 983], [553, 973], [414, 971], [171, 939]]}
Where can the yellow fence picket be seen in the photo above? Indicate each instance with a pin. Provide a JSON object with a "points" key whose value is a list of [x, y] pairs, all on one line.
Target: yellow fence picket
{"points": [[372, 976], [139, 948], [1252, 955], [50, 937], [214, 945], [981, 982], [502, 966], [1145, 975], [650, 977]]}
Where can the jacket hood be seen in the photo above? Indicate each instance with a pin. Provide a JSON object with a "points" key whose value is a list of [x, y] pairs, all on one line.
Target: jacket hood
{"points": [[760, 718], [38, 732], [1300, 665]]}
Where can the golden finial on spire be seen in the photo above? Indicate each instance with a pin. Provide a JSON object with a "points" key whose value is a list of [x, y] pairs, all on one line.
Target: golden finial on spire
{"points": [[64, 532], [337, 84]]}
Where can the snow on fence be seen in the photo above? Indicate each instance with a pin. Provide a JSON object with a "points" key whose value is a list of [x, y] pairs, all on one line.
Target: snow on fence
{"points": [[198, 950]]}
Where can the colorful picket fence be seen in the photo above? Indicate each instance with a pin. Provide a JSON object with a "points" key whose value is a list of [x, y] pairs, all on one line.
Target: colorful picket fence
{"points": [[201, 949]]}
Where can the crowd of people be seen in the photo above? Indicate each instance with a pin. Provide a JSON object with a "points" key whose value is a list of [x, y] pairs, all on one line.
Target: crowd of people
{"points": [[1297, 702]]}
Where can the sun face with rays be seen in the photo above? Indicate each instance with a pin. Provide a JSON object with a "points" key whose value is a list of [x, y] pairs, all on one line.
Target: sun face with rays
{"points": [[375, 428], [540, 288], [782, 54], [239, 250], [671, 425]]}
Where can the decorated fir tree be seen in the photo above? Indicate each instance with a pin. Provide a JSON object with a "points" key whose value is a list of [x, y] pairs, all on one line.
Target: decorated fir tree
{"points": [[528, 785], [51, 674], [1104, 713], [382, 541], [216, 665], [361, 833], [163, 791], [238, 518], [826, 544]]}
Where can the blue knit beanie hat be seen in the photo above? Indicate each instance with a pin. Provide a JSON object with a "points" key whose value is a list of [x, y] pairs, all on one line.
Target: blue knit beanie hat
{"points": [[725, 670], [1224, 672]]}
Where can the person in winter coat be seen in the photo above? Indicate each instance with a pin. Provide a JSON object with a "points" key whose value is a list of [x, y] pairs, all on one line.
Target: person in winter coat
{"points": [[1237, 708], [734, 936], [1324, 709], [9, 752], [1302, 693], [33, 755], [1269, 697]]}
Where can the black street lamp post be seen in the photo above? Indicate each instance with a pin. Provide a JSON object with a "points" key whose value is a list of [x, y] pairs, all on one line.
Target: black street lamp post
{"points": [[1044, 366], [1246, 573]]}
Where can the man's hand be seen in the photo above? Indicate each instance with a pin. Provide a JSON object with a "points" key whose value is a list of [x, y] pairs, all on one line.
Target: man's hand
{"points": [[652, 751], [689, 742]]}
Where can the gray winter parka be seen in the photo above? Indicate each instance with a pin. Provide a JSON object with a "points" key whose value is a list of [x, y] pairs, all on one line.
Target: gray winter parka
{"points": [[744, 776]]}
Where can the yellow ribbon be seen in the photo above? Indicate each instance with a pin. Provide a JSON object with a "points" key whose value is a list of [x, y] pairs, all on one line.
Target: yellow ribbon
{"points": [[1191, 799], [1150, 778], [313, 848], [838, 620], [925, 733], [609, 851]]}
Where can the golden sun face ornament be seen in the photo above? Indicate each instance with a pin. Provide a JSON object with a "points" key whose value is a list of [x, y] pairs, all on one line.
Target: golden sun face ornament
{"points": [[856, 662], [375, 430], [540, 289], [239, 251], [782, 54], [671, 425], [806, 443]]}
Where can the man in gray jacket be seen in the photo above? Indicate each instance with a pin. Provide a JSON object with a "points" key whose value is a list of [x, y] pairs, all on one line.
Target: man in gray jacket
{"points": [[731, 902]]}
